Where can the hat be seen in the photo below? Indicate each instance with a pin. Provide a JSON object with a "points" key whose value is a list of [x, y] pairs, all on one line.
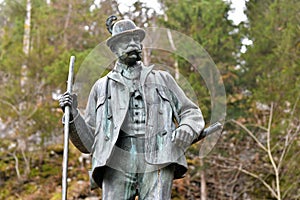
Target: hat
{"points": [[122, 28]]}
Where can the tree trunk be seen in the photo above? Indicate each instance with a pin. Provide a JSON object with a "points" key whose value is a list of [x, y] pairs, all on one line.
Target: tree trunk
{"points": [[174, 49], [147, 56], [203, 182], [68, 17], [26, 44]]}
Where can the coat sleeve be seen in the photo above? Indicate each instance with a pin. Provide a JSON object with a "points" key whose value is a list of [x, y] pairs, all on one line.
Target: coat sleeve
{"points": [[188, 113], [82, 129]]}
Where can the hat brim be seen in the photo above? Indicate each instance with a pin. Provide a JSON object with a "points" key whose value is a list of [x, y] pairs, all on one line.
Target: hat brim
{"points": [[112, 40]]}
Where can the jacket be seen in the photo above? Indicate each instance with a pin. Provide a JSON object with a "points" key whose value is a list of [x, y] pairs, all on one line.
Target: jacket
{"points": [[167, 107]]}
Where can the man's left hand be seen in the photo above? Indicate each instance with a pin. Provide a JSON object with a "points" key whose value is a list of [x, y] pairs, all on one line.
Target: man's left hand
{"points": [[183, 136]]}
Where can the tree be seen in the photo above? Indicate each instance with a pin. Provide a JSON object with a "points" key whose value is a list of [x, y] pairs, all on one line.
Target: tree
{"points": [[273, 78], [264, 160], [274, 70], [207, 23], [30, 114]]}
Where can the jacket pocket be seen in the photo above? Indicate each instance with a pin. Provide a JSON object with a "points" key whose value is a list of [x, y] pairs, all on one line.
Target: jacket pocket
{"points": [[165, 103], [164, 112], [170, 103]]}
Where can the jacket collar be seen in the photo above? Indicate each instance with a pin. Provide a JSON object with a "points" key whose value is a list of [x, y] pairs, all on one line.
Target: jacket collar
{"points": [[115, 74]]}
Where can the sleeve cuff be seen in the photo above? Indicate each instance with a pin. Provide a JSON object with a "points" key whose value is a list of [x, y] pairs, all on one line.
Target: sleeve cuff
{"points": [[72, 119]]}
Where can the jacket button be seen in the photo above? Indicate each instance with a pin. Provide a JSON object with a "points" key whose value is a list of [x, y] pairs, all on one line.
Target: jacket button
{"points": [[106, 138]]}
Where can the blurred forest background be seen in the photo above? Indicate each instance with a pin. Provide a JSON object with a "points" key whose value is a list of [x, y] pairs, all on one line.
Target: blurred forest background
{"points": [[257, 156]]}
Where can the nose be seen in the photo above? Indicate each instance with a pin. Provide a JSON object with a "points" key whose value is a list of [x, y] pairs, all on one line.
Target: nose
{"points": [[132, 42]]}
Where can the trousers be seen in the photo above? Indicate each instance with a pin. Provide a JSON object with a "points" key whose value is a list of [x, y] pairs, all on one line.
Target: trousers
{"points": [[128, 175]]}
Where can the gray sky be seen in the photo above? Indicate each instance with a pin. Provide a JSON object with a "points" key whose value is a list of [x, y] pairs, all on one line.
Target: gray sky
{"points": [[237, 14]]}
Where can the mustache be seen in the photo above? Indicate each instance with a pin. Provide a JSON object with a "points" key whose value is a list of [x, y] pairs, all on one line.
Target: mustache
{"points": [[138, 54], [135, 47]]}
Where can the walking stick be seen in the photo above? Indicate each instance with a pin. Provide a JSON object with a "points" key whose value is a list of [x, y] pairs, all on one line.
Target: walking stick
{"points": [[66, 132]]}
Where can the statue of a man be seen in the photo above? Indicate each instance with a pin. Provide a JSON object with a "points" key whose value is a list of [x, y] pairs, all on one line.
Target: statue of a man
{"points": [[137, 124]]}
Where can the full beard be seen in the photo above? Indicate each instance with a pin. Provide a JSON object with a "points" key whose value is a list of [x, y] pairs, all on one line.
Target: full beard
{"points": [[130, 58]]}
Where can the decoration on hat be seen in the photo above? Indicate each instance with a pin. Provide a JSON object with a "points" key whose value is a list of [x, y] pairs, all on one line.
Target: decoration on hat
{"points": [[110, 23]]}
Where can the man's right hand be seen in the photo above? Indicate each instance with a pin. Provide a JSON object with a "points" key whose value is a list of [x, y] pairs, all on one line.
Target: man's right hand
{"points": [[68, 99]]}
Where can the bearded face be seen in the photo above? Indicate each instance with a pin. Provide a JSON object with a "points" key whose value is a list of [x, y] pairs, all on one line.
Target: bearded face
{"points": [[128, 49]]}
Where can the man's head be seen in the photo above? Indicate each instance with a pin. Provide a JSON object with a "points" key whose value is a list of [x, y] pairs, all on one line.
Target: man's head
{"points": [[126, 41]]}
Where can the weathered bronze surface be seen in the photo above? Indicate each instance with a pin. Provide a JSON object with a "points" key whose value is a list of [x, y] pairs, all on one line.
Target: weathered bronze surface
{"points": [[137, 124]]}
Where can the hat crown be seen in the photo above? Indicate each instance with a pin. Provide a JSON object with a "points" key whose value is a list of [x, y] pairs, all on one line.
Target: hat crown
{"points": [[122, 28], [123, 25]]}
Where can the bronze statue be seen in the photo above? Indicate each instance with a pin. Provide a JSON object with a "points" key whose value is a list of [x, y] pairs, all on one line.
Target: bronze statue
{"points": [[137, 125]]}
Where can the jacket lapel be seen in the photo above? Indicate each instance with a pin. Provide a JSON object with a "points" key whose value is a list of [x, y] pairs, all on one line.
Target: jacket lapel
{"points": [[144, 73], [120, 92]]}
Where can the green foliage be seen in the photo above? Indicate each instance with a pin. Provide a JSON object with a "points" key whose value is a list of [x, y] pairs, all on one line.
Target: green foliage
{"points": [[51, 45], [206, 22], [270, 73], [275, 70], [30, 114]]}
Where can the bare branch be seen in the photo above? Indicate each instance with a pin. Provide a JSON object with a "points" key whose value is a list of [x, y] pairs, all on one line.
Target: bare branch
{"points": [[270, 153], [252, 175], [259, 126], [289, 140], [294, 107], [27, 163], [233, 182], [251, 134], [288, 189], [10, 105], [31, 113], [16, 164], [260, 179]]}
